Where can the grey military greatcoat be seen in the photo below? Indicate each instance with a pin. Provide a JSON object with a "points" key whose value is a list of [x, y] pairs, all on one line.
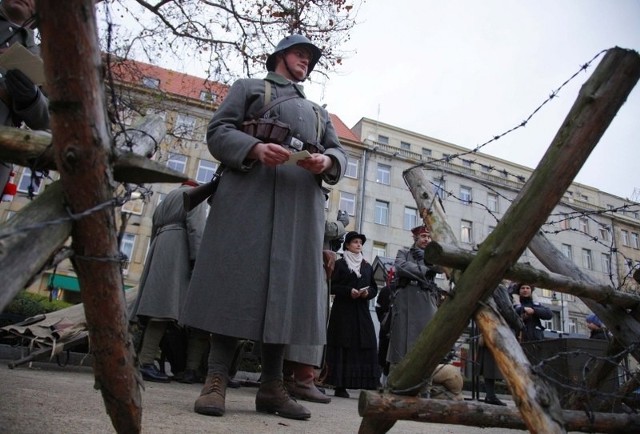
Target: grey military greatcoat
{"points": [[259, 272]]}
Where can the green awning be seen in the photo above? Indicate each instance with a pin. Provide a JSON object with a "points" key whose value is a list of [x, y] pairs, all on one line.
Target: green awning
{"points": [[68, 283]]}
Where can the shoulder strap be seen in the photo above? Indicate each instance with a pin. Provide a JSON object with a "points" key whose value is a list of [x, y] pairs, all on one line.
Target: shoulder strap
{"points": [[268, 104]]}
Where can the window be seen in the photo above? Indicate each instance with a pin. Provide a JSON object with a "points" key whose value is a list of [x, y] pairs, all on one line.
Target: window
{"points": [[177, 162], [567, 251], [155, 111], [150, 82], [352, 167], [547, 323], [466, 231], [28, 182], [379, 249], [492, 202], [625, 237], [135, 205], [571, 325], [205, 172], [587, 261], [439, 188], [565, 224], [161, 197], [634, 240], [490, 229], [467, 163], [604, 233], [208, 96], [465, 195], [383, 140], [486, 168], [606, 263], [405, 145], [426, 152], [348, 202], [381, 213], [126, 248], [383, 174], [185, 126], [410, 218], [584, 225]]}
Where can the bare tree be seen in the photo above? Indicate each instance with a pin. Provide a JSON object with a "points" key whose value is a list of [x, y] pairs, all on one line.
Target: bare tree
{"points": [[230, 38]]}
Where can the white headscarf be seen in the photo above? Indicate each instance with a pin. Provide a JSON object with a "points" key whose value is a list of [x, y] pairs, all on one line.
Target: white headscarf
{"points": [[353, 260]]}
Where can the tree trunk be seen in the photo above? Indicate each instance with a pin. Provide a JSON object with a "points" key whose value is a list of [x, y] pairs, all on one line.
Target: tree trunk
{"points": [[83, 153]]}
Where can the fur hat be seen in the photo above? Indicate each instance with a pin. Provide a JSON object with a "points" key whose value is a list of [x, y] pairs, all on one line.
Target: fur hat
{"points": [[350, 236]]}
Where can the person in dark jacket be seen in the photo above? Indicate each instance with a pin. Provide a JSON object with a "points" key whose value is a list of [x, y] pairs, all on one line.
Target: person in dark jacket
{"points": [[21, 100], [275, 208], [596, 328], [531, 312], [352, 351]]}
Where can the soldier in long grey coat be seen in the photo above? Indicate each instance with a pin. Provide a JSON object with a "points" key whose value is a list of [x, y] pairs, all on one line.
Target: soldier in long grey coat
{"points": [[416, 298], [175, 239], [259, 273]]}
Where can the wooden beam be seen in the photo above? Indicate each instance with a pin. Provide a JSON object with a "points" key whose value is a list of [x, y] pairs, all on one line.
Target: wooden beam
{"points": [[384, 407], [599, 100], [455, 257]]}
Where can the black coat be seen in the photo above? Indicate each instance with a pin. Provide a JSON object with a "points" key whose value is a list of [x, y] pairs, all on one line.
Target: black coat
{"points": [[350, 323], [533, 328]]}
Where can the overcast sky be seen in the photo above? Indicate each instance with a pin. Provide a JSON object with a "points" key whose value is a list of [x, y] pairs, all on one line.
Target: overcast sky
{"points": [[464, 71]]}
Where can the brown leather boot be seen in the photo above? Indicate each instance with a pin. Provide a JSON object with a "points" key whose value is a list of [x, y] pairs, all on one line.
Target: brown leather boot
{"points": [[304, 386], [211, 399], [273, 398]]}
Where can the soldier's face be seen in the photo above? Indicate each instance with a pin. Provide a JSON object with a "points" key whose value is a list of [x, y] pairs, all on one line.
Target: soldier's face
{"points": [[422, 240], [19, 10]]}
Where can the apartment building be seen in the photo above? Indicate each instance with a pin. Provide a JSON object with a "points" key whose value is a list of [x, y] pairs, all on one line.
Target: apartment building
{"points": [[598, 231]]}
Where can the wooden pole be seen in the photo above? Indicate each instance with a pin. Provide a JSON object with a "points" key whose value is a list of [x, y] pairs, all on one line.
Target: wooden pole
{"points": [[82, 147], [387, 407], [455, 257]]}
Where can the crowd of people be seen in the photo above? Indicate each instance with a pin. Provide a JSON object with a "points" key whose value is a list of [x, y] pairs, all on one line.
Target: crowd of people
{"points": [[274, 277]]}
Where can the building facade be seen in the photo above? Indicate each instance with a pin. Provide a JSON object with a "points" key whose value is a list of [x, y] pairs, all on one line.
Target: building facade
{"points": [[596, 230]]}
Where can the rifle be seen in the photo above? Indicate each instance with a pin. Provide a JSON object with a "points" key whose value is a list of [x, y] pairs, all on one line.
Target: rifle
{"points": [[192, 197]]}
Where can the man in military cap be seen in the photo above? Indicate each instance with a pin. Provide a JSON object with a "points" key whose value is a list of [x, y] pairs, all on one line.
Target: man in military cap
{"points": [[416, 298], [265, 271]]}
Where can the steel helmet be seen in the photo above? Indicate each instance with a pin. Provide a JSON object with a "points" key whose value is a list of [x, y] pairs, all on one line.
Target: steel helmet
{"points": [[289, 42]]}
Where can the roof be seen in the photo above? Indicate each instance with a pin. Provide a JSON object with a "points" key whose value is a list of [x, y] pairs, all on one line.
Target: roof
{"points": [[342, 130], [173, 82], [189, 86]]}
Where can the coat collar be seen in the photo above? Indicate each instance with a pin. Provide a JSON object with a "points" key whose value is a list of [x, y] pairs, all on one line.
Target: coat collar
{"points": [[280, 80]]}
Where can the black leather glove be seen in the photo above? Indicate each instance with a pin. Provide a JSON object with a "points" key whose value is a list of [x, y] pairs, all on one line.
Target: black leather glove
{"points": [[22, 90], [343, 218]]}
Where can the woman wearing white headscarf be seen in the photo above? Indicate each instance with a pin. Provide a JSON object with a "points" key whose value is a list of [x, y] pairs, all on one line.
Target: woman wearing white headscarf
{"points": [[352, 350]]}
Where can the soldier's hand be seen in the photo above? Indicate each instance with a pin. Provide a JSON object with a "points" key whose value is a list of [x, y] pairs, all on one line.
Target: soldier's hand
{"points": [[22, 90]]}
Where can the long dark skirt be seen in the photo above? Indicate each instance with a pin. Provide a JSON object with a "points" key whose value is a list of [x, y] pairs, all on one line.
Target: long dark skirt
{"points": [[353, 368]]}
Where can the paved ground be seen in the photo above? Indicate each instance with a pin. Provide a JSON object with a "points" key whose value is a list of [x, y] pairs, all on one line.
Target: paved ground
{"points": [[45, 398]]}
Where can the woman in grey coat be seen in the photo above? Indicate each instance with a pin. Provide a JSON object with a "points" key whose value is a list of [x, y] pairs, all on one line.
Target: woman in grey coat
{"points": [[259, 273]]}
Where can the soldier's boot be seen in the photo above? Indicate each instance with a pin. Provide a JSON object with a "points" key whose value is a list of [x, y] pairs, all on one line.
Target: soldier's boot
{"points": [[287, 377], [212, 396], [272, 397], [305, 387]]}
